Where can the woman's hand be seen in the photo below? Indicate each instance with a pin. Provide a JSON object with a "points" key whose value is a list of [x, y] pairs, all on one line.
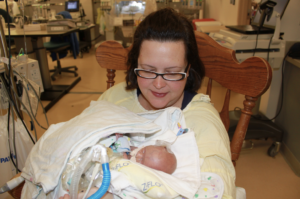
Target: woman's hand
{"points": [[91, 192], [66, 196]]}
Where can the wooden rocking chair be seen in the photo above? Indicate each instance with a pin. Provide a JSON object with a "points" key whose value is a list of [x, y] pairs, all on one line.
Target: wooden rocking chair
{"points": [[250, 78]]}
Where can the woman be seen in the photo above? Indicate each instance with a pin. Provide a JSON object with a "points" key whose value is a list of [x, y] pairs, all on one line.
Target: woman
{"points": [[164, 71]]}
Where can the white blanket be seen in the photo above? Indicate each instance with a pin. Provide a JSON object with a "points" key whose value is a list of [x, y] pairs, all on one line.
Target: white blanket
{"points": [[65, 140]]}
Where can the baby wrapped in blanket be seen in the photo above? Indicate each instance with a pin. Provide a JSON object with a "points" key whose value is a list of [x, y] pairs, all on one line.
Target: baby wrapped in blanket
{"points": [[65, 142]]}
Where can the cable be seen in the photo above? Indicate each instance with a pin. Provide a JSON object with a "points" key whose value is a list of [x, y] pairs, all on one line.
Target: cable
{"points": [[10, 151], [268, 53], [14, 105], [14, 138], [256, 41], [9, 46], [36, 97], [27, 113], [11, 104], [282, 91]]}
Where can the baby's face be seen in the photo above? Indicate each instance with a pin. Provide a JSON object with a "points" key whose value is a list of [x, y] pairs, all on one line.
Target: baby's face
{"points": [[157, 157]]}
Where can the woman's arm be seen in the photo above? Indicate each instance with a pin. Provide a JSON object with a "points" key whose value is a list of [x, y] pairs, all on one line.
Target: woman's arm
{"points": [[213, 143]]}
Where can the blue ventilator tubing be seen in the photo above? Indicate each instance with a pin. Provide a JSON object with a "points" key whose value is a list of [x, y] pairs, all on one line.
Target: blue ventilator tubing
{"points": [[105, 183]]}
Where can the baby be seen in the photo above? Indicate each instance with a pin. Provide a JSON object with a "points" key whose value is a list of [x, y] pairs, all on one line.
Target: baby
{"points": [[155, 157]]}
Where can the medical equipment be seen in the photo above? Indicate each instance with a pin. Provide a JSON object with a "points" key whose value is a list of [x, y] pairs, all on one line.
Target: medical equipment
{"points": [[19, 141], [72, 6], [266, 11], [96, 154], [126, 12], [260, 23], [267, 46], [244, 45]]}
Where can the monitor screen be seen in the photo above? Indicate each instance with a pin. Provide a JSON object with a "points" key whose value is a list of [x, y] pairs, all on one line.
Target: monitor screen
{"points": [[72, 6], [279, 8]]}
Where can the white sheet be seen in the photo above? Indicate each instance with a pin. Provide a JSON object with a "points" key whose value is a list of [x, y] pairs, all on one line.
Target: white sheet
{"points": [[66, 140]]}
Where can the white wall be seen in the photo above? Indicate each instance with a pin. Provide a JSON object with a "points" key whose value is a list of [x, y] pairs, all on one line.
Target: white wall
{"points": [[290, 22], [88, 9], [222, 10]]}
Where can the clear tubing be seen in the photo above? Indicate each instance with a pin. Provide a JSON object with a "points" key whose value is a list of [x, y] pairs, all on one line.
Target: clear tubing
{"points": [[13, 183], [4, 189], [77, 174], [105, 183], [95, 154]]}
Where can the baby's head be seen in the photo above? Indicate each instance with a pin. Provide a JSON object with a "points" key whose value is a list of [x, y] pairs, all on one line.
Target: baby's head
{"points": [[157, 157]]}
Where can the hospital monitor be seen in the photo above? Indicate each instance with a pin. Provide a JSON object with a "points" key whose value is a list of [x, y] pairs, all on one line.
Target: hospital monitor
{"points": [[271, 23], [72, 6]]}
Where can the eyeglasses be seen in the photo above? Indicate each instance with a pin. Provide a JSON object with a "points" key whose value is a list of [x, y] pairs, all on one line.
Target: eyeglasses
{"points": [[153, 75]]}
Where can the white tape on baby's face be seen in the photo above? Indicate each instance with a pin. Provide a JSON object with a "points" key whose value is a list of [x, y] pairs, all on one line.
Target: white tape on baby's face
{"points": [[134, 152]]}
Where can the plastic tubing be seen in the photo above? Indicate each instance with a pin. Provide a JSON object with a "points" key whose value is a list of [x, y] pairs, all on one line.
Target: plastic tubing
{"points": [[10, 185], [105, 183], [77, 174], [97, 152]]}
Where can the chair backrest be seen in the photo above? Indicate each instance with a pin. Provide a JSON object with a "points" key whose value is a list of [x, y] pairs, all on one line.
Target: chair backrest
{"points": [[251, 78]]}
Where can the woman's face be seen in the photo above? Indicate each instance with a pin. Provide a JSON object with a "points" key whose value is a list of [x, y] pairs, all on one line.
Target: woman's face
{"points": [[161, 57]]}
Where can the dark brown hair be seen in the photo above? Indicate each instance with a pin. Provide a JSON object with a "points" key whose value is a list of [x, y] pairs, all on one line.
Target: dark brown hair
{"points": [[166, 25]]}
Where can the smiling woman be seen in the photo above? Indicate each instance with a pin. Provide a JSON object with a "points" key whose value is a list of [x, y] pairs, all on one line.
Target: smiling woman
{"points": [[169, 57], [164, 70]]}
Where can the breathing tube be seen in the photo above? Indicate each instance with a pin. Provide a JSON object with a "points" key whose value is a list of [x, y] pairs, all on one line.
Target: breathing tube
{"points": [[97, 154]]}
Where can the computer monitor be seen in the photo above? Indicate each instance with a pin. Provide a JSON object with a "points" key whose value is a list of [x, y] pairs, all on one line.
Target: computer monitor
{"points": [[271, 23], [72, 6]]}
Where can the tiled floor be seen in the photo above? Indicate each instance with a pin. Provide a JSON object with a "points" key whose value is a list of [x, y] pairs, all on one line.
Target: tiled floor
{"points": [[262, 176]]}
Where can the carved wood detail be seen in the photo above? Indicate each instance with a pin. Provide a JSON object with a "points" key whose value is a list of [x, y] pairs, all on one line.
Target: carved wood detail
{"points": [[110, 77]]}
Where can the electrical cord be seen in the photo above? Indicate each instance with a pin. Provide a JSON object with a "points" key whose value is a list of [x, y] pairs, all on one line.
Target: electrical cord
{"points": [[268, 53], [281, 96], [13, 122], [10, 151], [282, 91], [9, 46], [27, 112], [14, 138], [39, 101], [256, 40], [14, 105]]}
